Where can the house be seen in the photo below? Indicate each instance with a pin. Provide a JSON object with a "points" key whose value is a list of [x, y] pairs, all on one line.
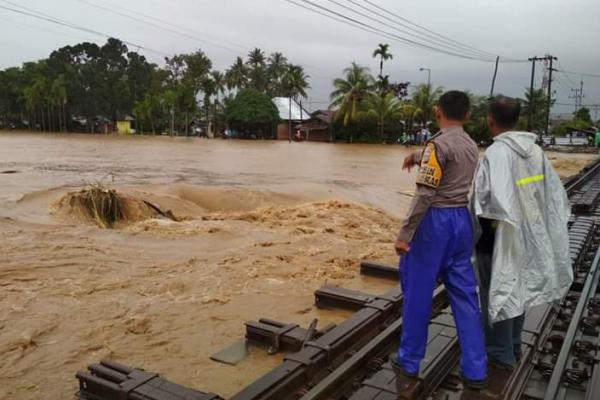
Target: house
{"points": [[124, 125], [318, 127], [296, 112]]}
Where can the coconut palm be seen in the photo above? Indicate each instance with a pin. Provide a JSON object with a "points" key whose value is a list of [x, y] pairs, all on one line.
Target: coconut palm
{"points": [[382, 51], [218, 79], [257, 69], [256, 57], [424, 98], [351, 92], [295, 83], [276, 70], [383, 108], [237, 75]]}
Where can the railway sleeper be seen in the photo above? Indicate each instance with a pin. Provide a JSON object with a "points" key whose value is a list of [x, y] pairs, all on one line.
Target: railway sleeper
{"points": [[112, 381]]}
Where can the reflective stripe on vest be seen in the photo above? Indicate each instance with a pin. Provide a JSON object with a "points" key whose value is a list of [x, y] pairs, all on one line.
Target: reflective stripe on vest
{"points": [[530, 179]]}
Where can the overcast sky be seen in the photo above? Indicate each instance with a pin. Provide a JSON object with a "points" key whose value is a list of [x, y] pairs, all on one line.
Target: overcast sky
{"points": [[569, 30]]}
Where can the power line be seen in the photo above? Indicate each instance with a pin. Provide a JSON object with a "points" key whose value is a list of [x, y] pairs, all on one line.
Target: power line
{"points": [[140, 20], [418, 36], [331, 14], [42, 29], [425, 31], [45, 17], [178, 32], [580, 73]]}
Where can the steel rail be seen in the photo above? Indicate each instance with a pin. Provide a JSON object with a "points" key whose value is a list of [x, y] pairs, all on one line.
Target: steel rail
{"points": [[589, 288]]}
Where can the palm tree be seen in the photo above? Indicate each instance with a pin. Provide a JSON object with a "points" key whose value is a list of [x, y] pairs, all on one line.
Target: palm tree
{"points": [[276, 70], [257, 63], [256, 57], [237, 75], [382, 51], [218, 80], [383, 107], [350, 92], [424, 98], [295, 83]]}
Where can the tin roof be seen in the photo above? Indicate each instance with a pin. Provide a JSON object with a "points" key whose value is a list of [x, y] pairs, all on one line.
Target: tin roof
{"points": [[283, 106]]}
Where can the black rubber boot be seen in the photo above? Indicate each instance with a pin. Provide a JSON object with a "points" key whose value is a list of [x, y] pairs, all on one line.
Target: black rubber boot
{"points": [[472, 384], [400, 369]]}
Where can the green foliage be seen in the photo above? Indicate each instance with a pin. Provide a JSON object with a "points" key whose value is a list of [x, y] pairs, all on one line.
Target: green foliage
{"points": [[383, 52], [583, 114], [424, 98], [383, 108], [87, 81], [476, 127], [251, 107], [535, 106], [351, 92]]}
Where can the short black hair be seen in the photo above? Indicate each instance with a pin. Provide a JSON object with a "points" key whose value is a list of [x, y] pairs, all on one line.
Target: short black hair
{"points": [[505, 111], [455, 105]]}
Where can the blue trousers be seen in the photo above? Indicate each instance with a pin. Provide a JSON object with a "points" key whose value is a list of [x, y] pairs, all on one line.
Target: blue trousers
{"points": [[441, 248], [502, 339]]}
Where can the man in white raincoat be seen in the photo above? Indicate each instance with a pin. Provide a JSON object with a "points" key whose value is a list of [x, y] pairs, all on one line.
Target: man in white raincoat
{"points": [[521, 211]]}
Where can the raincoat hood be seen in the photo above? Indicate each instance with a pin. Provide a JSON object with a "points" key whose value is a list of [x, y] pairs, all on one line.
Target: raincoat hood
{"points": [[516, 186], [523, 143]]}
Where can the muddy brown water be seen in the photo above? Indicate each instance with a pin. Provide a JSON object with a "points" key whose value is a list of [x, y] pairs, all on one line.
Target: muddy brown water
{"points": [[263, 224]]}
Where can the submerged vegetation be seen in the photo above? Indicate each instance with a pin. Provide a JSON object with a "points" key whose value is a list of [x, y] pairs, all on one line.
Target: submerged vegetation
{"points": [[98, 204]]}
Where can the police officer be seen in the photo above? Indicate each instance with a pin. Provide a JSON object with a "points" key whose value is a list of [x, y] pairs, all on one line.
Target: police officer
{"points": [[436, 241]]}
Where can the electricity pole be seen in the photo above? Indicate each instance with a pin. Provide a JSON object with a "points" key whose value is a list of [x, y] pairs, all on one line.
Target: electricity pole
{"points": [[494, 78], [549, 100], [530, 108], [578, 96], [531, 97]]}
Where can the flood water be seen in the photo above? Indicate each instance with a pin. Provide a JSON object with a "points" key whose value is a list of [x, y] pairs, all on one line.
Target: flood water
{"points": [[260, 225]]}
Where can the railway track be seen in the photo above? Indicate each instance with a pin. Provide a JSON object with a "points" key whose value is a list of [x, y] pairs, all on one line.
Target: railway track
{"points": [[350, 361]]}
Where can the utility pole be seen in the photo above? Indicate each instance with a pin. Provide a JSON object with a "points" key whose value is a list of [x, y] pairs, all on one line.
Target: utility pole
{"points": [[494, 78], [578, 96], [530, 111], [549, 100]]}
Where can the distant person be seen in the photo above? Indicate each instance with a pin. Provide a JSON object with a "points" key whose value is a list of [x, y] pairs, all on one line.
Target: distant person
{"points": [[425, 134], [436, 242], [406, 139], [521, 211]]}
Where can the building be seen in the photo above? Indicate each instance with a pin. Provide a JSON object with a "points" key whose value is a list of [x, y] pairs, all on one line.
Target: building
{"points": [[318, 127], [296, 112]]}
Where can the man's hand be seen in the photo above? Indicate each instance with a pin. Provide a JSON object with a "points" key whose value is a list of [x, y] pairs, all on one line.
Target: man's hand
{"points": [[401, 247], [409, 162]]}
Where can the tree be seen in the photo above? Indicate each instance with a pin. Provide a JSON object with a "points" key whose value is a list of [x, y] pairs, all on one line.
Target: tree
{"points": [[350, 92], [237, 75], [383, 108], [534, 108], [424, 98], [257, 70], [382, 51], [583, 114], [252, 111], [276, 70], [477, 124]]}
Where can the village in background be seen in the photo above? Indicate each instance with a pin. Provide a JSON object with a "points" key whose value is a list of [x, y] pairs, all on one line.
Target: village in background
{"points": [[88, 88]]}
